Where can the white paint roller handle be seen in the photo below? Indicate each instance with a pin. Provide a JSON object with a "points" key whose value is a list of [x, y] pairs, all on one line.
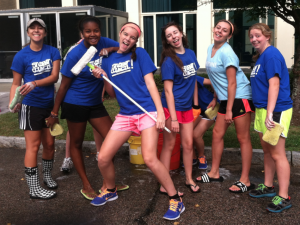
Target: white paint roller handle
{"points": [[134, 102]]}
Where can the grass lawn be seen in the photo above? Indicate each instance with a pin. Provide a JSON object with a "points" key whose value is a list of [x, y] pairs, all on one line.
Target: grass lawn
{"points": [[9, 127]]}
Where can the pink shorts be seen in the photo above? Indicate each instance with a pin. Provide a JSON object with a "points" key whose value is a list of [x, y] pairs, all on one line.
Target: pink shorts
{"points": [[135, 123], [182, 116]]}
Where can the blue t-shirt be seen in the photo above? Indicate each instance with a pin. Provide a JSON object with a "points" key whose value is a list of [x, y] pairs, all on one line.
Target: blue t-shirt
{"points": [[269, 63], [183, 82], [32, 66], [204, 95], [85, 89], [216, 70], [128, 75]]}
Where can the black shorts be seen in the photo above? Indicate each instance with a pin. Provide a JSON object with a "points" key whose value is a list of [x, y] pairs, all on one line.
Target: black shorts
{"points": [[33, 118], [240, 107], [81, 113]]}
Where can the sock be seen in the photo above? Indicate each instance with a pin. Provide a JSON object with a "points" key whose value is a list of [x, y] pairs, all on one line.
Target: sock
{"points": [[112, 190], [288, 198], [176, 197], [270, 188]]}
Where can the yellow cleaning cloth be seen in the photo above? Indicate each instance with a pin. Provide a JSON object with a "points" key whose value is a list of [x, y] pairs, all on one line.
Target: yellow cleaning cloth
{"points": [[57, 130], [272, 136], [212, 113]]}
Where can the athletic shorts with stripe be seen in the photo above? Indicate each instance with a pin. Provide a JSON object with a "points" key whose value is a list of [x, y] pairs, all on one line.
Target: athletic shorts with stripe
{"points": [[239, 108], [283, 118], [204, 117], [33, 118]]}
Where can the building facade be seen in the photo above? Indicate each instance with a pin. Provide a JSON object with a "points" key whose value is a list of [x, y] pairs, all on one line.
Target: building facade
{"points": [[196, 18]]}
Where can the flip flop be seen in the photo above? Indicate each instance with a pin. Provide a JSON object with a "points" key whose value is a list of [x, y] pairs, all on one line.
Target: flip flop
{"points": [[206, 179], [243, 188], [119, 189], [191, 189], [85, 195]]}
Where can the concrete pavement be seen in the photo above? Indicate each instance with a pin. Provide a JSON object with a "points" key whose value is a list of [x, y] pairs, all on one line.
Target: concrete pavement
{"points": [[142, 203]]}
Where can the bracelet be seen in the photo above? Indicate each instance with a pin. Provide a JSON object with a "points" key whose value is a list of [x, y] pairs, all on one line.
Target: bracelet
{"points": [[55, 117], [54, 114], [196, 107]]}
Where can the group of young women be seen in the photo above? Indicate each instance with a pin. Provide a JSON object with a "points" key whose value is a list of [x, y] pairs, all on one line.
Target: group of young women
{"points": [[131, 69]]}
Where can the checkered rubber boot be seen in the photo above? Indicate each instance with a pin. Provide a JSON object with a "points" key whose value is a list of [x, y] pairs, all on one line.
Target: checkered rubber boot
{"points": [[47, 167], [33, 181]]}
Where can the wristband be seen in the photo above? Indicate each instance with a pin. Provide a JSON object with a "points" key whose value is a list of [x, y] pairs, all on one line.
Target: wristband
{"points": [[54, 114], [55, 117], [196, 107], [35, 83]]}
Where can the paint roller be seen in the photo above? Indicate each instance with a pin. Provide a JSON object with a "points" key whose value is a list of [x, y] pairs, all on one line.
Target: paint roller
{"points": [[84, 61]]}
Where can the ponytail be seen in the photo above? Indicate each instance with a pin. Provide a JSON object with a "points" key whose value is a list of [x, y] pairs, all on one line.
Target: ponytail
{"points": [[133, 55]]}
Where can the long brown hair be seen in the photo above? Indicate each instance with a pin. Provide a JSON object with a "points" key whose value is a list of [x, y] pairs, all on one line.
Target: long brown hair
{"points": [[232, 26], [265, 30], [168, 50], [133, 55]]}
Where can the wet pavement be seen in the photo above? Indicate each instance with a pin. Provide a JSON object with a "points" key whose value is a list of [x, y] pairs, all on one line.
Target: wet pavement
{"points": [[141, 204]]}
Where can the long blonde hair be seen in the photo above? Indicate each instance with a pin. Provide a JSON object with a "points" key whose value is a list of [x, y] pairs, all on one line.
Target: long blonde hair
{"points": [[265, 30]]}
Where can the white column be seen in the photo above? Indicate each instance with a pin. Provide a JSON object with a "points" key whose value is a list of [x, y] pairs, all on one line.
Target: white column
{"points": [[133, 7], [204, 30], [67, 3], [285, 40]]}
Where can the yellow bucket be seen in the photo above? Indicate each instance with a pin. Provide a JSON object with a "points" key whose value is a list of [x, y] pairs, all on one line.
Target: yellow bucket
{"points": [[135, 150]]}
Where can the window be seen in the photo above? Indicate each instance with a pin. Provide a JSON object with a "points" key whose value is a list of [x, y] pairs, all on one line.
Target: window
{"points": [[168, 5], [112, 4], [39, 4]]}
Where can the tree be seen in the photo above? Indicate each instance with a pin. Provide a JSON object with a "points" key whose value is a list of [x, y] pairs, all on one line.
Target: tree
{"points": [[287, 10]]}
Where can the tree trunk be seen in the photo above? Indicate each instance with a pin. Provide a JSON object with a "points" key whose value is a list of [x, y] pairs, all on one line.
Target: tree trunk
{"points": [[296, 72]]}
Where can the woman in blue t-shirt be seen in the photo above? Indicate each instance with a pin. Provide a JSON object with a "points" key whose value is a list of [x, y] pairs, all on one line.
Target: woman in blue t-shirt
{"points": [[270, 84], [38, 65], [80, 96], [178, 71], [131, 69], [233, 90]]}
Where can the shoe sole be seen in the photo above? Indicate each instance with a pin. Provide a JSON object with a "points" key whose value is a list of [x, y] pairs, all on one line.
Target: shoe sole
{"points": [[36, 197], [177, 216], [109, 200], [202, 168], [55, 187], [278, 211], [264, 195]]}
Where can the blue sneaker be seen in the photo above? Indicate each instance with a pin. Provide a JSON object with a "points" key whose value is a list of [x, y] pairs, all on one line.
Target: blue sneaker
{"points": [[105, 196], [262, 191], [175, 209], [279, 204], [194, 163], [202, 163]]}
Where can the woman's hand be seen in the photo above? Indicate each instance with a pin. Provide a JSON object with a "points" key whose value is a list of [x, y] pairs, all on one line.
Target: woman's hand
{"points": [[160, 120], [212, 104], [175, 126], [98, 71], [50, 121], [15, 109], [269, 121], [228, 117], [28, 87]]}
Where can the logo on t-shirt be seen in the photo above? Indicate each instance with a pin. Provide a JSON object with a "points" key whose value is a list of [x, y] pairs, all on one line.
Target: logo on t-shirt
{"points": [[189, 70], [255, 70], [41, 67], [97, 62], [120, 68]]}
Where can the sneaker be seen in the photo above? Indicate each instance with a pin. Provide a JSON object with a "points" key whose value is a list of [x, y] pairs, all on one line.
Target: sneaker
{"points": [[175, 209], [279, 204], [202, 163], [194, 163], [105, 196], [97, 156], [262, 191], [67, 165]]}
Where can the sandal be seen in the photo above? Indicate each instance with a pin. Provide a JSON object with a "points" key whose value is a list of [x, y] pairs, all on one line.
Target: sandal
{"points": [[191, 189], [118, 186], [243, 188], [206, 179], [85, 195]]}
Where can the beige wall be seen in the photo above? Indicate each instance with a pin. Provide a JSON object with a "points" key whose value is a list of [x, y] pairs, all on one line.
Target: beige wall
{"points": [[8, 4]]}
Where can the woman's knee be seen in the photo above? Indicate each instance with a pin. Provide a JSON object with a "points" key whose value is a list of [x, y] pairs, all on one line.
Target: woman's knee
{"points": [[244, 138], [103, 160], [150, 161]]}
